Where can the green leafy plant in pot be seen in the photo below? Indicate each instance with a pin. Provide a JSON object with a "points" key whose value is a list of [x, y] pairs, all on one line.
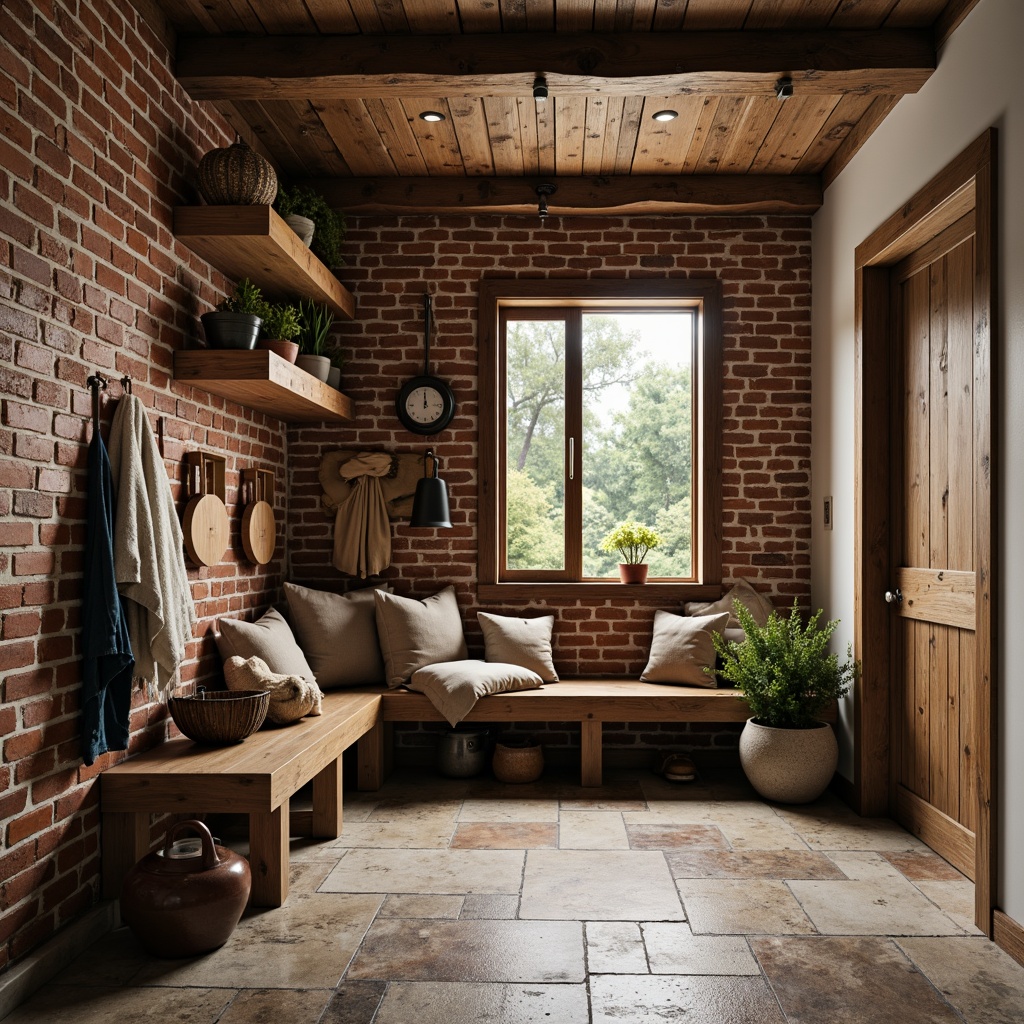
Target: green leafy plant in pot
{"points": [[280, 326], [788, 677], [314, 220], [315, 321], [632, 540], [236, 321]]}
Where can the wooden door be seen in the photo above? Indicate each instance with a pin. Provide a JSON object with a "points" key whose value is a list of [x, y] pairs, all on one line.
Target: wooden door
{"points": [[934, 688]]}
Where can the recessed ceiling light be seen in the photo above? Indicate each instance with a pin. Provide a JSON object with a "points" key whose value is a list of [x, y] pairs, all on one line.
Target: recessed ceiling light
{"points": [[432, 116], [665, 115]]}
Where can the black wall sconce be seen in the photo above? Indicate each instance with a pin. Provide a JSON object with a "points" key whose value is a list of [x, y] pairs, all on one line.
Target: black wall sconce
{"points": [[430, 503]]}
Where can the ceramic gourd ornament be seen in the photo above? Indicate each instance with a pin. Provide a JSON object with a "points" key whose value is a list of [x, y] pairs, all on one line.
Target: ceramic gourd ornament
{"points": [[236, 176]]}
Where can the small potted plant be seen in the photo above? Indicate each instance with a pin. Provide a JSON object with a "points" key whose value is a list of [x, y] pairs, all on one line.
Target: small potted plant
{"points": [[315, 323], [787, 676], [632, 540], [310, 216], [280, 326], [337, 362], [236, 321]]}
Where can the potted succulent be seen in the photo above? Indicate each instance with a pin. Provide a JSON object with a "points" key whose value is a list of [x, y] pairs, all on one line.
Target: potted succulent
{"points": [[787, 676], [310, 216], [632, 540], [280, 326], [315, 322], [236, 321]]}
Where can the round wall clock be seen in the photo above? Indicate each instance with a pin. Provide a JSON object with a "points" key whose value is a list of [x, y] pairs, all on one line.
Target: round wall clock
{"points": [[425, 404]]}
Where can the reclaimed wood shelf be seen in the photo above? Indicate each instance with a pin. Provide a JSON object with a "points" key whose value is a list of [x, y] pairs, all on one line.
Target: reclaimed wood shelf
{"points": [[262, 380], [254, 242]]}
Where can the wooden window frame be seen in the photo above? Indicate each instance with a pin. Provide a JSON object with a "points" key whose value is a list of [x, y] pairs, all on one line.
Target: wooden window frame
{"points": [[704, 295]]}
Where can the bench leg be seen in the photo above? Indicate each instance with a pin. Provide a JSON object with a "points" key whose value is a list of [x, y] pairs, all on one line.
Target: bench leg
{"points": [[371, 759], [125, 840], [268, 857], [590, 753], [327, 801]]}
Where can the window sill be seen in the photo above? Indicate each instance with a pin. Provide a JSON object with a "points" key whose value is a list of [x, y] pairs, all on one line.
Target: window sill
{"points": [[525, 591]]}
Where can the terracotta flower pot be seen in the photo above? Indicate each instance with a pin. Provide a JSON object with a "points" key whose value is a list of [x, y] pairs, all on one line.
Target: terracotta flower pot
{"points": [[633, 573], [287, 350]]}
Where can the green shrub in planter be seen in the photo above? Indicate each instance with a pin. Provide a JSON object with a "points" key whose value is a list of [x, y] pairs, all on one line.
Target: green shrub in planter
{"points": [[282, 321], [303, 201], [632, 540]]}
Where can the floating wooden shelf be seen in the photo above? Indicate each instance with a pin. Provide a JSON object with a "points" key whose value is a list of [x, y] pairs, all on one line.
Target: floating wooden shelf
{"points": [[254, 242], [264, 381]]}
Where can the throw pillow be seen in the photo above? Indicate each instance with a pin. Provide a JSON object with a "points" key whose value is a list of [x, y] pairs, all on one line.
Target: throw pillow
{"points": [[759, 606], [338, 634], [517, 641], [454, 687], [291, 697], [418, 633], [682, 648], [269, 638]]}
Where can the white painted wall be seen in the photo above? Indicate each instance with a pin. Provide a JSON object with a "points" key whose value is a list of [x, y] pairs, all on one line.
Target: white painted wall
{"points": [[979, 83]]}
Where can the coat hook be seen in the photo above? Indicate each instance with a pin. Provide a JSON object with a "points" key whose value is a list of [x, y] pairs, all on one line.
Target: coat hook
{"points": [[126, 384]]}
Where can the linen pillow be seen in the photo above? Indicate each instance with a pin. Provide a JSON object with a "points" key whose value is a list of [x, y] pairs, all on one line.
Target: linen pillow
{"points": [[269, 638], [517, 641], [454, 687], [682, 648], [418, 633], [759, 606], [338, 634]]}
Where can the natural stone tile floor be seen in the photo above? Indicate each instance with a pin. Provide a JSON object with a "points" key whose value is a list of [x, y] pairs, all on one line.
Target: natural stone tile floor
{"points": [[458, 902]]}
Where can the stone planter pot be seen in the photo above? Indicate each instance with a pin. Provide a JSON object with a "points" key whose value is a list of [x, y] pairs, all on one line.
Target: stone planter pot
{"points": [[302, 226], [231, 330], [334, 377], [631, 573], [318, 366], [791, 766]]}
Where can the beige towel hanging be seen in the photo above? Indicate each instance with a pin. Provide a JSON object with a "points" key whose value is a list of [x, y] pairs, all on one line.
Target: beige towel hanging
{"points": [[362, 532]]}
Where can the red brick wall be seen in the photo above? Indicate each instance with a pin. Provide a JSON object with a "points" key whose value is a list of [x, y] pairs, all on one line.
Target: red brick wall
{"points": [[764, 266], [96, 144]]}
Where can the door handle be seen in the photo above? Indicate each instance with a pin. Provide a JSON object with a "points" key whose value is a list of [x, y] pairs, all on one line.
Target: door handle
{"points": [[894, 596]]}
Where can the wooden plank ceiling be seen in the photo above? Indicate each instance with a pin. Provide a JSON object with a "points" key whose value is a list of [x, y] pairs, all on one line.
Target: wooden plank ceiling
{"points": [[333, 90]]}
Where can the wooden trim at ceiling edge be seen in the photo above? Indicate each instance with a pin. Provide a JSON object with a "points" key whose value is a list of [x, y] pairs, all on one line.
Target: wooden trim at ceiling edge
{"points": [[967, 183]]}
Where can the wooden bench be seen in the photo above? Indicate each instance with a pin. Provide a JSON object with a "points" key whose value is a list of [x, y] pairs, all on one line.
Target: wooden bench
{"points": [[257, 777], [591, 702]]}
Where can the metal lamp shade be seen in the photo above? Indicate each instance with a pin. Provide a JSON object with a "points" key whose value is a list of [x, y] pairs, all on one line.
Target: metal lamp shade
{"points": [[430, 505]]}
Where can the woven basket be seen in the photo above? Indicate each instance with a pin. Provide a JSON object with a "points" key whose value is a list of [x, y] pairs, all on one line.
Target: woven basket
{"points": [[236, 176], [220, 718], [518, 764]]}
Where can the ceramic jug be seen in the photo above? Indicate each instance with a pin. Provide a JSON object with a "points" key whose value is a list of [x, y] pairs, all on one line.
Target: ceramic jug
{"points": [[462, 753]]}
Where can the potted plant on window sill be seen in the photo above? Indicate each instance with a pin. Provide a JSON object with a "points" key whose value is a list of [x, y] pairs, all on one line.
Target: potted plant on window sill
{"points": [[787, 676], [315, 324], [236, 322], [632, 540], [280, 326]]}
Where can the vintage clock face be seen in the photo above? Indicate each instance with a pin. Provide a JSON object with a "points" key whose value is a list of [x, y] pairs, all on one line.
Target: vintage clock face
{"points": [[425, 405]]}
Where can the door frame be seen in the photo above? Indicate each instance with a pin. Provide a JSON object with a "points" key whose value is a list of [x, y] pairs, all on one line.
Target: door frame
{"points": [[966, 185]]}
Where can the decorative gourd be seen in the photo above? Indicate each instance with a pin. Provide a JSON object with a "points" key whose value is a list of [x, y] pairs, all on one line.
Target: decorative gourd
{"points": [[236, 176]]}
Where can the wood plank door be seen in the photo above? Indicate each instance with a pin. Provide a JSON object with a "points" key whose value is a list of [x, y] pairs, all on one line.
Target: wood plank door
{"points": [[934, 456]]}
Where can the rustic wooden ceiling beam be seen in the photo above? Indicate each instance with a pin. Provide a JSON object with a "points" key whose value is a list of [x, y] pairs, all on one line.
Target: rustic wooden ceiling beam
{"points": [[888, 62], [648, 194]]}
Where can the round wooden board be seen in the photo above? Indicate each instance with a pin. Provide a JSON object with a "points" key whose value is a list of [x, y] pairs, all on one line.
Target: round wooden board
{"points": [[205, 526], [259, 532]]}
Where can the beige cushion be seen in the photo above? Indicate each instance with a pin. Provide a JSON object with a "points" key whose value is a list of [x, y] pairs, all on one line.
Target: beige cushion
{"points": [[418, 633], [759, 605], [682, 648], [291, 697], [338, 634], [454, 687], [517, 641], [269, 638]]}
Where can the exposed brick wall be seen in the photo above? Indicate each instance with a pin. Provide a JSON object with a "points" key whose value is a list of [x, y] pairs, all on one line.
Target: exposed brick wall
{"points": [[763, 263], [96, 145]]}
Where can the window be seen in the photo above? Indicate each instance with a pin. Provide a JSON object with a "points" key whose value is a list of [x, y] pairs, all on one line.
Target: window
{"points": [[600, 401]]}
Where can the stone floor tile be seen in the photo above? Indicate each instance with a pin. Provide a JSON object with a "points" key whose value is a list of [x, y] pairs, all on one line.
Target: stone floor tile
{"points": [[757, 834], [415, 905], [975, 975], [674, 949], [306, 943], [407, 833], [641, 999], [841, 829], [673, 812], [490, 908], [469, 1003], [505, 835], [656, 788], [306, 876], [354, 1002], [676, 837], [612, 796], [923, 865], [507, 951], [64, 1004], [457, 872], [590, 885], [751, 864], [269, 1005], [956, 900], [865, 866], [521, 809], [413, 808], [848, 980], [728, 906], [114, 959], [591, 830], [616, 947], [872, 907]]}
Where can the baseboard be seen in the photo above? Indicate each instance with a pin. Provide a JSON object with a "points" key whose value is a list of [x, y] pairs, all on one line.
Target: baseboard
{"points": [[1008, 935], [25, 976]]}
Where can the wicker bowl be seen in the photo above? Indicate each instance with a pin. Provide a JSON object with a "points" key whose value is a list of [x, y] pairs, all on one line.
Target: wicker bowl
{"points": [[222, 717]]}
